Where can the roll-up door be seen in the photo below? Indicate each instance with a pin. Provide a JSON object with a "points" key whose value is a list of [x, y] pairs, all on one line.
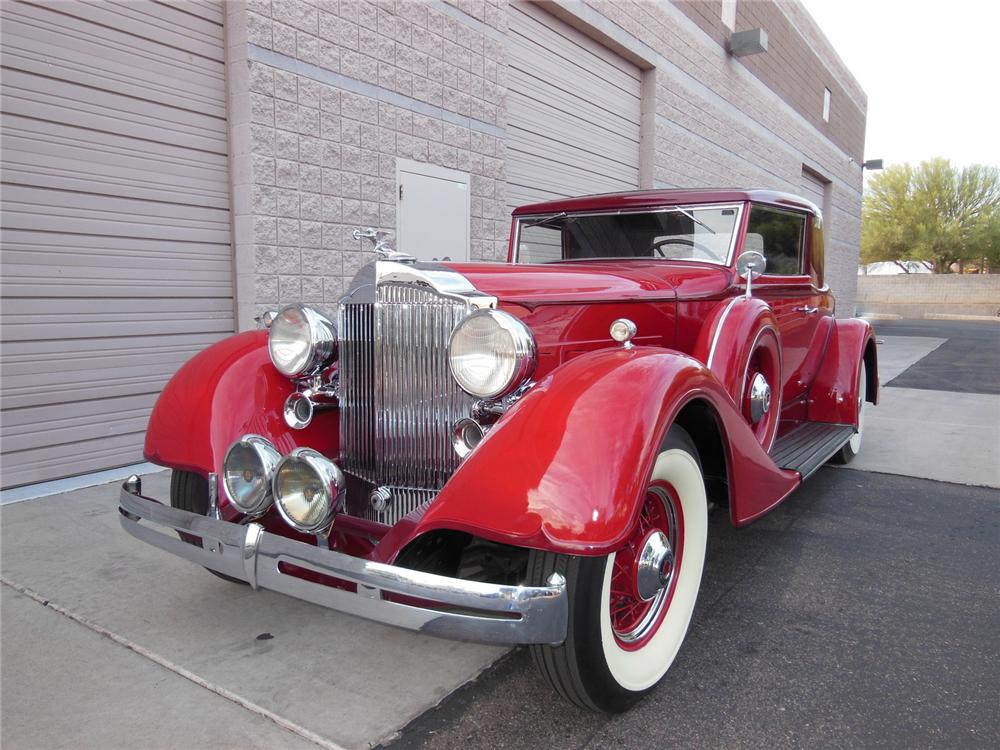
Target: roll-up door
{"points": [[573, 112], [814, 188], [117, 262]]}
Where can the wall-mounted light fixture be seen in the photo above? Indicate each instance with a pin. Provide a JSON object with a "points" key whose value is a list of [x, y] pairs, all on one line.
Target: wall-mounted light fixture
{"points": [[872, 164], [750, 42]]}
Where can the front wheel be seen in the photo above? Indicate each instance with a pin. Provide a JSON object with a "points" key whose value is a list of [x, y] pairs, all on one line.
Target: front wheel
{"points": [[629, 611], [189, 491]]}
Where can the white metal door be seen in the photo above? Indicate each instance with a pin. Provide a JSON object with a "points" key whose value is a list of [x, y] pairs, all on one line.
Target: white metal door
{"points": [[433, 211], [117, 263], [573, 112]]}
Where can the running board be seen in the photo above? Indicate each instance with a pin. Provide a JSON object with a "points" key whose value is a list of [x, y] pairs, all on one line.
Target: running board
{"points": [[809, 446]]}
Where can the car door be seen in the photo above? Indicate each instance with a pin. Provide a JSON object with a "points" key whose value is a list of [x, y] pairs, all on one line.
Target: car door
{"points": [[799, 307]]}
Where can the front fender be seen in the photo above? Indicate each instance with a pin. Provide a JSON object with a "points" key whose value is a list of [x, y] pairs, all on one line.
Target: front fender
{"points": [[566, 468], [222, 393]]}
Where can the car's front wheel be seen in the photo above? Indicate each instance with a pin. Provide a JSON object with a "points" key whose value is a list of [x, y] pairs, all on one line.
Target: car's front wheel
{"points": [[189, 491], [629, 611]]}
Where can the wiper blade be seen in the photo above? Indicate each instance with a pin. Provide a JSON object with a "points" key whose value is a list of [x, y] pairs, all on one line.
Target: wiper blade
{"points": [[543, 220], [694, 218]]}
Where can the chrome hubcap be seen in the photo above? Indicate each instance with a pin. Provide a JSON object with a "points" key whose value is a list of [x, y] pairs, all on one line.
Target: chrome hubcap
{"points": [[654, 566], [760, 398]]}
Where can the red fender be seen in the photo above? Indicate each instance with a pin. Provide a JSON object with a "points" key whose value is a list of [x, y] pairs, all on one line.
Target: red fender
{"points": [[833, 394], [736, 329], [565, 469], [726, 339], [222, 393]]}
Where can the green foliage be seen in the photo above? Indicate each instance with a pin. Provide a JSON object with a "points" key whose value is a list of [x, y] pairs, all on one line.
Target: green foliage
{"points": [[932, 212]]}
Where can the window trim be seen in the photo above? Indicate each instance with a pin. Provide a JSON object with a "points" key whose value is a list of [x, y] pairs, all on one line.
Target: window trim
{"points": [[737, 232], [804, 215]]}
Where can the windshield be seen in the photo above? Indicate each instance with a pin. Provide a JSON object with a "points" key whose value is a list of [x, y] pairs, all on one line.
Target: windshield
{"points": [[702, 233]]}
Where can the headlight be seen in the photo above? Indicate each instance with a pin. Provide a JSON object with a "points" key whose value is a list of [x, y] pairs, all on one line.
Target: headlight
{"points": [[247, 471], [308, 490], [491, 353], [301, 341]]}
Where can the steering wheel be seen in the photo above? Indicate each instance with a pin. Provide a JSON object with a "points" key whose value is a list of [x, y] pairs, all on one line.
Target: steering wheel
{"points": [[657, 247]]}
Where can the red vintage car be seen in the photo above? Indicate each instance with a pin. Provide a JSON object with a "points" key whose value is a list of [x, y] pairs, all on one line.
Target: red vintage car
{"points": [[525, 452]]}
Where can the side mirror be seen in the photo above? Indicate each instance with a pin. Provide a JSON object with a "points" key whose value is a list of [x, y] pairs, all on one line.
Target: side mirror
{"points": [[751, 265]]}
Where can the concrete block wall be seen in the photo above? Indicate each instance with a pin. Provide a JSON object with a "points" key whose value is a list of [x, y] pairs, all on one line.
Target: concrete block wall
{"points": [[338, 91], [929, 295], [326, 95]]}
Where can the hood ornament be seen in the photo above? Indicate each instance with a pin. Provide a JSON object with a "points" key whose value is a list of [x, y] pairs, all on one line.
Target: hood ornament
{"points": [[382, 245]]}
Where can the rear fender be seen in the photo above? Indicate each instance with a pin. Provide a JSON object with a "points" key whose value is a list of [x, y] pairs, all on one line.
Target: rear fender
{"points": [[565, 470], [222, 393], [833, 395]]}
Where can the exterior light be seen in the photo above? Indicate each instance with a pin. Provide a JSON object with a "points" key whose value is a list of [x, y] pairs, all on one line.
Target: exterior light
{"points": [[872, 164], [623, 331], [750, 42]]}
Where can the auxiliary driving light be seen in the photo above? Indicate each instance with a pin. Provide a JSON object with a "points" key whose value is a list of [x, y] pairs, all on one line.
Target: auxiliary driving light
{"points": [[467, 435], [308, 490], [247, 471]]}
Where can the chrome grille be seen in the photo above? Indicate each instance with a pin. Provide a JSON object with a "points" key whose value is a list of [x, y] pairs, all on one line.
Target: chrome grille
{"points": [[398, 400]]}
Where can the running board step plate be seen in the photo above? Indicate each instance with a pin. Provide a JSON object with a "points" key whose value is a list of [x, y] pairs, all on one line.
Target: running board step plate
{"points": [[809, 446]]}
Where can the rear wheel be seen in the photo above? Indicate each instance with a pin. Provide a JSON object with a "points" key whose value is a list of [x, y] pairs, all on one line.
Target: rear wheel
{"points": [[629, 611], [189, 491], [853, 446]]}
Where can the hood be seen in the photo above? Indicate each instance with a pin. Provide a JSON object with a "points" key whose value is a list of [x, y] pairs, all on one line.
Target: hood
{"points": [[595, 281]]}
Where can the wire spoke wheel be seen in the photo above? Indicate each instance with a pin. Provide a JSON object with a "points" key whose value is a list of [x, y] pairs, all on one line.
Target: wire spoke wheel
{"points": [[629, 611]]}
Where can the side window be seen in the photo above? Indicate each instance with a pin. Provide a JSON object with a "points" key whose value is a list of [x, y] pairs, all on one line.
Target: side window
{"points": [[778, 234]]}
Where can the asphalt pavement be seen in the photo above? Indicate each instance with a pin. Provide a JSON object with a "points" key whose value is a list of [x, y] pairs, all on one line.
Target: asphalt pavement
{"points": [[861, 613], [968, 360]]}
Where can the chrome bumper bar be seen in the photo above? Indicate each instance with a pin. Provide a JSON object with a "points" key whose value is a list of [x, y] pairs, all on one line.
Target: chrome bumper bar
{"points": [[489, 613]]}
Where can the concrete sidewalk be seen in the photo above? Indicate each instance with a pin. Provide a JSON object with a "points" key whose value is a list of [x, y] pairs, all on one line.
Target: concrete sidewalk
{"points": [[189, 659], [949, 436]]}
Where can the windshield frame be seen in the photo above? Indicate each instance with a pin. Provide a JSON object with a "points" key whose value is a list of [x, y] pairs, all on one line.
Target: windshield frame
{"points": [[740, 207]]}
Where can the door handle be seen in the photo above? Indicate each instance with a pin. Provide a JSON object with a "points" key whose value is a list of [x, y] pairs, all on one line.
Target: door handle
{"points": [[806, 309]]}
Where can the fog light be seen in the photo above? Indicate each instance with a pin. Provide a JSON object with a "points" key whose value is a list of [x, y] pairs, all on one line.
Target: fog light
{"points": [[468, 434], [308, 490], [247, 471]]}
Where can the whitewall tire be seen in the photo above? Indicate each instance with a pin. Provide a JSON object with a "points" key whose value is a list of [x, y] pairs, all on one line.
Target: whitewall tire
{"points": [[622, 639], [853, 446]]}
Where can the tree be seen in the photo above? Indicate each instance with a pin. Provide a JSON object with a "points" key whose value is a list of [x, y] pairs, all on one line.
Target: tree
{"points": [[933, 212]]}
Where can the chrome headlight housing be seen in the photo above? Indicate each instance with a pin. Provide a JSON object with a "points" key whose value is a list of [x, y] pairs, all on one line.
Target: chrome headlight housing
{"points": [[491, 353], [301, 341], [308, 490], [247, 471]]}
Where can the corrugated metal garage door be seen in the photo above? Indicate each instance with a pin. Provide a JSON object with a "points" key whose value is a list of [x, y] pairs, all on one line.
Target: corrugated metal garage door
{"points": [[573, 112], [814, 188], [117, 264]]}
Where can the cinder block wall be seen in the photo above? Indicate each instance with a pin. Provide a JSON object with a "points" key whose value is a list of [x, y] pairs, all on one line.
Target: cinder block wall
{"points": [[920, 295], [325, 95]]}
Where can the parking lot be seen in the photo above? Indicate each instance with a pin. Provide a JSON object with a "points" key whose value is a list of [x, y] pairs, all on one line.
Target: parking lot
{"points": [[862, 612]]}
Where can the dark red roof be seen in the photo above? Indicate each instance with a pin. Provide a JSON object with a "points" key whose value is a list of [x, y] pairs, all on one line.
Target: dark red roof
{"points": [[652, 198]]}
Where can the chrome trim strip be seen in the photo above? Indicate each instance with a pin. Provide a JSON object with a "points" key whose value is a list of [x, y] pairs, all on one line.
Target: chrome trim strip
{"points": [[485, 612], [718, 330]]}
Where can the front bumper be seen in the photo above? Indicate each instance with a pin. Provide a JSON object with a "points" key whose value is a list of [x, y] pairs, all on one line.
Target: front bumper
{"points": [[487, 613]]}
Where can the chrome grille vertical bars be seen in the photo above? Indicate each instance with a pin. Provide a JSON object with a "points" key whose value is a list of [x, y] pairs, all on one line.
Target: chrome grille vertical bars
{"points": [[398, 399]]}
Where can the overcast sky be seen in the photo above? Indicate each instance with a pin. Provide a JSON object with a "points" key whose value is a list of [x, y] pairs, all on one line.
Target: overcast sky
{"points": [[931, 71]]}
